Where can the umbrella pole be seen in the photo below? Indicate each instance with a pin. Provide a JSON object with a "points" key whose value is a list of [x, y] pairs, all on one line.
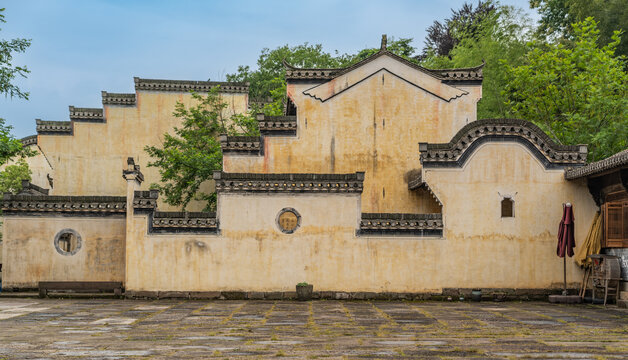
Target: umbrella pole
{"points": [[565, 273]]}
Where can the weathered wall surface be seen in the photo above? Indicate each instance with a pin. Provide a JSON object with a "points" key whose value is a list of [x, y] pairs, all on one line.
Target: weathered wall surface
{"points": [[89, 161], [478, 249], [374, 126], [30, 256], [508, 252]]}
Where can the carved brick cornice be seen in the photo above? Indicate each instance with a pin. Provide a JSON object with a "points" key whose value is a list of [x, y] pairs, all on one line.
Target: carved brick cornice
{"points": [[189, 85], [289, 183], [29, 188], [472, 74], [29, 140], [277, 125], [458, 150], [75, 205], [118, 98], [599, 167], [86, 114], [426, 224], [145, 200], [244, 145], [184, 221], [45, 127]]}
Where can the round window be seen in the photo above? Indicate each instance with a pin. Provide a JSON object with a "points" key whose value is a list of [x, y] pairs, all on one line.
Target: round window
{"points": [[288, 220], [68, 242]]}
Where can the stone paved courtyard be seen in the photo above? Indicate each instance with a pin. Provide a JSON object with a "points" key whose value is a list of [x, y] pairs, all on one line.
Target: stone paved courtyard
{"points": [[118, 329]]}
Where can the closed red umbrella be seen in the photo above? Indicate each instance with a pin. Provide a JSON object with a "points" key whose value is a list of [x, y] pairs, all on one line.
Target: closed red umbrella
{"points": [[566, 241]]}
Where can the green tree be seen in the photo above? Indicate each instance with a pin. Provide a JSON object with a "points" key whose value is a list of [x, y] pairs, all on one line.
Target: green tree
{"points": [[268, 81], [10, 147], [501, 37], [189, 157], [8, 71], [577, 93], [12, 175], [442, 37], [558, 15]]}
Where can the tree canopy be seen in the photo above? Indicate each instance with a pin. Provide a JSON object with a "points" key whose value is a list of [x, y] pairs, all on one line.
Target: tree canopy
{"points": [[8, 71], [11, 148], [464, 23], [557, 17], [577, 93], [189, 157], [501, 37]]}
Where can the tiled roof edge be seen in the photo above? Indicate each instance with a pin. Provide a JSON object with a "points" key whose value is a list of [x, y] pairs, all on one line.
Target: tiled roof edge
{"points": [[189, 85], [614, 161]]}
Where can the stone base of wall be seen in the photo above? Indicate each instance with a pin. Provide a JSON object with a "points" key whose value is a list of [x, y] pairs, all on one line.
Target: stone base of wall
{"points": [[447, 294]]}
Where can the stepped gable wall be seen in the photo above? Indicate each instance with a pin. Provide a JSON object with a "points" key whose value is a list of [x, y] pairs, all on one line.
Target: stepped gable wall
{"points": [[366, 118], [83, 156]]}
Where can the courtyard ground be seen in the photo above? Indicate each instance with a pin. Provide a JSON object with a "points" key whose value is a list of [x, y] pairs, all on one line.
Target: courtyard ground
{"points": [[168, 329]]}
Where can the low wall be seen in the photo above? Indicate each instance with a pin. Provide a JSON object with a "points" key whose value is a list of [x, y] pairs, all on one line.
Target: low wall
{"points": [[30, 255], [251, 254]]}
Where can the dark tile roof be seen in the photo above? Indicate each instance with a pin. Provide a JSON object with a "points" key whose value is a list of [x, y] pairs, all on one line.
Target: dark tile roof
{"points": [[86, 114], [597, 168], [189, 85], [118, 98], [29, 140], [289, 182], [79, 205], [475, 133], [243, 145], [47, 127], [414, 224], [445, 75]]}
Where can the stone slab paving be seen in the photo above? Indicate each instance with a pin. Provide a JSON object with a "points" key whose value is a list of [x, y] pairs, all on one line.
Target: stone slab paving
{"points": [[185, 329]]}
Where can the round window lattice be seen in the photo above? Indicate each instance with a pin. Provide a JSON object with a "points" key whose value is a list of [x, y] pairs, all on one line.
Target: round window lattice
{"points": [[68, 242], [288, 220]]}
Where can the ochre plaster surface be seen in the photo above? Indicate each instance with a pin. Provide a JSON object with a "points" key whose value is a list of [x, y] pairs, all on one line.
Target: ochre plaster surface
{"points": [[89, 161], [479, 248], [30, 256], [374, 125]]}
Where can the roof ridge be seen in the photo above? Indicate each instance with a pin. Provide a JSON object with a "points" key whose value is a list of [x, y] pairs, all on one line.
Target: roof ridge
{"points": [[189, 85], [609, 163], [293, 72]]}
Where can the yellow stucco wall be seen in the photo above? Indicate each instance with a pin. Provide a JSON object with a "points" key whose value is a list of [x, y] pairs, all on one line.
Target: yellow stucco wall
{"points": [[519, 250], [90, 161], [478, 248], [373, 125], [30, 256]]}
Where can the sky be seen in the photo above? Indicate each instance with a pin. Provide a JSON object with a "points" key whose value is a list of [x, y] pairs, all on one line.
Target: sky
{"points": [[81, 47]]}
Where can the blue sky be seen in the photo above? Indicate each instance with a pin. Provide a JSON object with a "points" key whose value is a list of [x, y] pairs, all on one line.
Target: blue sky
{"points": [[82, 47]]}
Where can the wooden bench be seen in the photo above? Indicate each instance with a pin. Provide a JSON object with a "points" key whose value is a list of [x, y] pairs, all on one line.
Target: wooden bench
{"points": [[80, 286]]}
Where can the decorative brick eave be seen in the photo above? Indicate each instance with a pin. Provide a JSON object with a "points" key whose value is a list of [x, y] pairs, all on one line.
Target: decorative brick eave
{"points": [[175, 222], [277, 125], [29, 188], [86, 114], [472, 74], [471, 136], [145, 200], [417, 183], [118, 99], [241, 145], [461, 75], [45, 127], [189, 85], [70, 205], [415, 224], [29, 140], [289, 183], [599, 167]]}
